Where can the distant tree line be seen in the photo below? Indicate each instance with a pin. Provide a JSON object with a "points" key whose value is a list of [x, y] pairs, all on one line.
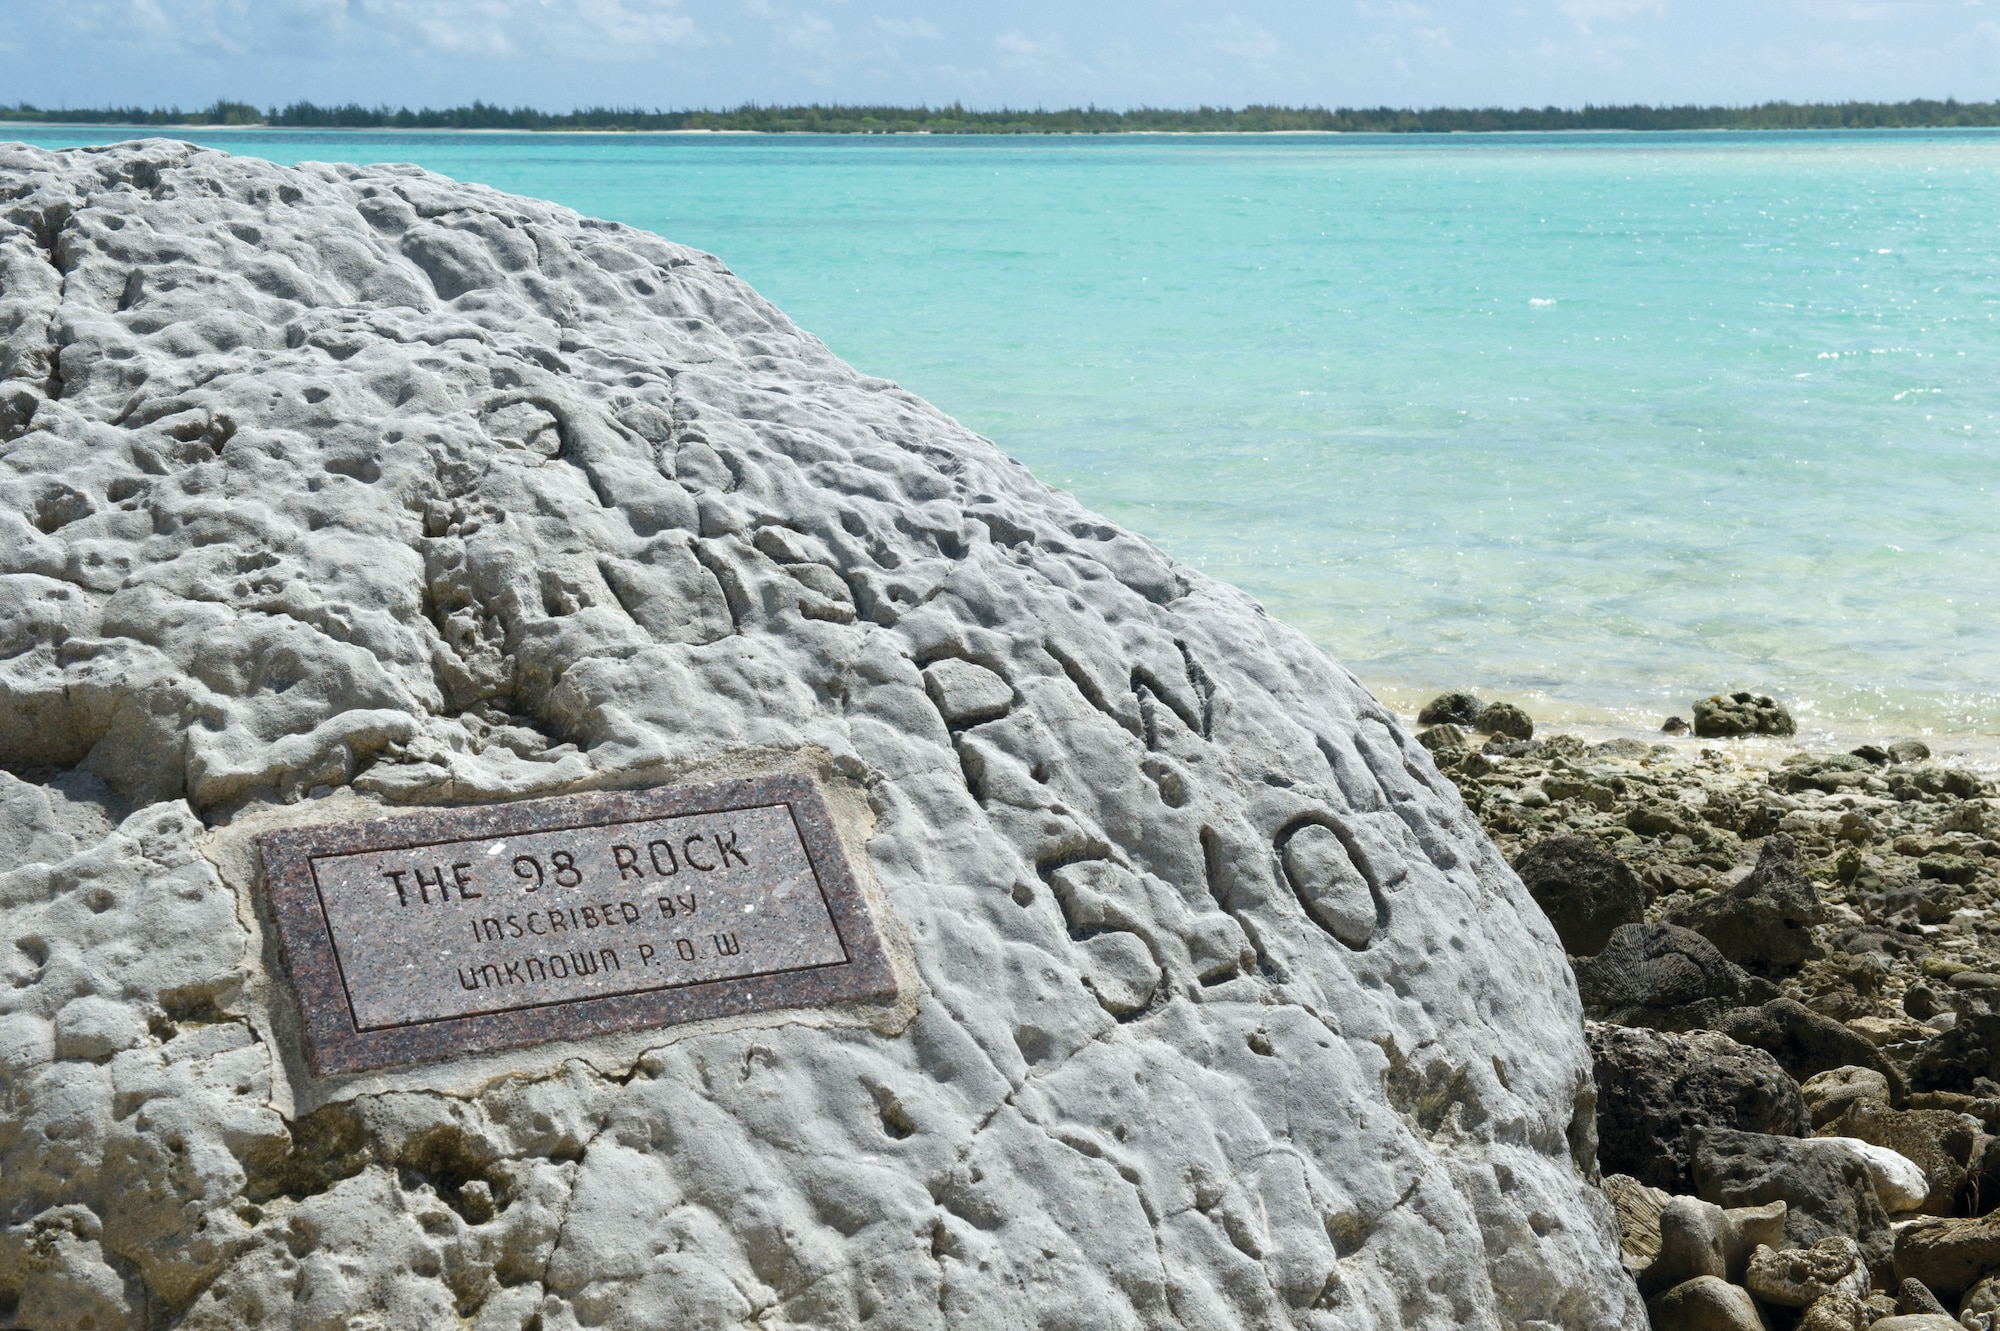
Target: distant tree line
{"points": [[956, 119], [221, 113]]}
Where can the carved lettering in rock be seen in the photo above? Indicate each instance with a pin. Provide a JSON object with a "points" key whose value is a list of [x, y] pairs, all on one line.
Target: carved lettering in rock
{"points": [[1332, 883]]}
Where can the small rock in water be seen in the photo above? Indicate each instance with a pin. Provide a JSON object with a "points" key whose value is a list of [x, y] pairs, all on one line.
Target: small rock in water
{"points": [[1729, 716], [1461, 709], [1675, 725], [1504, 718], [1909, 751]]}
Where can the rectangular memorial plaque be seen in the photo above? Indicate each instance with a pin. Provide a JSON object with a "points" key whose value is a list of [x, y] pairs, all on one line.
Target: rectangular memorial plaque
{"points": [[454, 931]]}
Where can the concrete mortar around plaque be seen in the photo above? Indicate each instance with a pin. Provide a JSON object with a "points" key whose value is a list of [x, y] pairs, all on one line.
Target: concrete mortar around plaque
{"points": [[455, 931]]}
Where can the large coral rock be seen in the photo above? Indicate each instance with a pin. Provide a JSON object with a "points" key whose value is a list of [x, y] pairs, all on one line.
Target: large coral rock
{"points": [[1807, 1043], [1585, 890], [1764, 923], [359, 487], [1654, 1087], [1726, 715], [1663, 977], [1949, 1256], [1943, 1145], [1827, 1190]]}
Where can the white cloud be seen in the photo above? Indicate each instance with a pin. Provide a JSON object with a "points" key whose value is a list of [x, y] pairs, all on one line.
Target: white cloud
{"points": [[577, 30], [1019, 46], [1046, 58], [1236, 36], [1850, 11], [1584, 11], [808, 32], [588, 30], [905, 29], [1398, 9]]}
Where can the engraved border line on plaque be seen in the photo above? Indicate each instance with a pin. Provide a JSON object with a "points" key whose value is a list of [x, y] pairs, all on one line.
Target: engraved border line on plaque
{"points": [[337, 1040], [312, 862]]}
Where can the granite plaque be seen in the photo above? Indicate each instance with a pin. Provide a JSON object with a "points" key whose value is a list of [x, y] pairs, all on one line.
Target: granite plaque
{"points": [[422, 936]]}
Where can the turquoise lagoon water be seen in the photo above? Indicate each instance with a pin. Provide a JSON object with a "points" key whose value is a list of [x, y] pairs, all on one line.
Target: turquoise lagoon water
{"points": [[1601, 423]]}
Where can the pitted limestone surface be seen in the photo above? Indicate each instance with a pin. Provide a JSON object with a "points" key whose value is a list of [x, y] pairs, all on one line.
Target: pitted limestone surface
{"points": [[1226, 1013]]}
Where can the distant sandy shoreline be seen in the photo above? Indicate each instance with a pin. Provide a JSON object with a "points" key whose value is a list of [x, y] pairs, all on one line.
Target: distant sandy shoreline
{"points": [[609, 132], [1598, 724]]}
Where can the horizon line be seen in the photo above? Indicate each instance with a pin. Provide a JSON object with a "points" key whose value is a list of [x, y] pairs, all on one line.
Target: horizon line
{"points": [[955, 118]]}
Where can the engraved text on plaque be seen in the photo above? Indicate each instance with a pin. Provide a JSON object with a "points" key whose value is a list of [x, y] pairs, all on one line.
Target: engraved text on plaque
{"points": [[453, 931]]}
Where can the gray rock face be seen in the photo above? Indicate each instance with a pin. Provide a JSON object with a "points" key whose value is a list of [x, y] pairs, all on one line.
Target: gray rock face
{"points": [[362, 488]]}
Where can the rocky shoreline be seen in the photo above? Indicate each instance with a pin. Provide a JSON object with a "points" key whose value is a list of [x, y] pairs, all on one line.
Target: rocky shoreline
{"points": [[1790, 966]]}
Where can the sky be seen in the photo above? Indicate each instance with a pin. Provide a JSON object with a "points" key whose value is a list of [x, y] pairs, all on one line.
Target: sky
{"points": [[560, 54]]}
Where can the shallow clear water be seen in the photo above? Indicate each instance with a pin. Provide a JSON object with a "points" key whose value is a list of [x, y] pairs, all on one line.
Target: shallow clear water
{"points": [[1599, 422]]}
